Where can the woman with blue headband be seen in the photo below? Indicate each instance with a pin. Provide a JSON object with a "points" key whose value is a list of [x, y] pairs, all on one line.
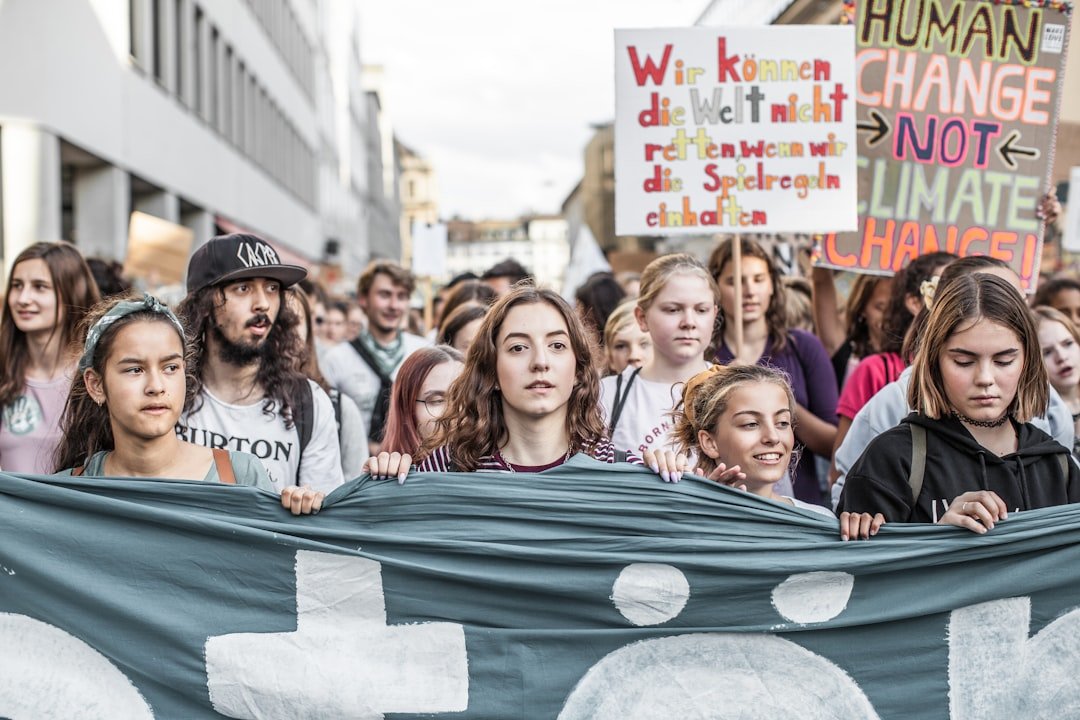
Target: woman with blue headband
{"points": [[129, 392]]}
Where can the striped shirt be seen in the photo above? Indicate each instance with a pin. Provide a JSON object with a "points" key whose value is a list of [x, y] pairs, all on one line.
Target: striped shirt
{"points": [[439, 460]]}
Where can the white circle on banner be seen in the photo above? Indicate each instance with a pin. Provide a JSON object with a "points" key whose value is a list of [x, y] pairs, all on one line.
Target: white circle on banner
{"points": [[813, 597], [650, 593]]}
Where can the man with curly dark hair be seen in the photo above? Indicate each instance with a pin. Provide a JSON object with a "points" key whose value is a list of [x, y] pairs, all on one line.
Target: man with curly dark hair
{"points": [[250, 396]]}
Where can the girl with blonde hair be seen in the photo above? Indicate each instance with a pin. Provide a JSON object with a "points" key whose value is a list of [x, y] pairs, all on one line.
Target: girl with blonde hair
{"points": [[677, 307], [624, 341], [739, 421]]}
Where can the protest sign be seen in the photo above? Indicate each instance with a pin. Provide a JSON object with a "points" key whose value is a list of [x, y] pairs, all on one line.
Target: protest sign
{"points": [[957, 114], [1071, 237], [428, 249], [734, 130], [589, 591], [157, 250]]}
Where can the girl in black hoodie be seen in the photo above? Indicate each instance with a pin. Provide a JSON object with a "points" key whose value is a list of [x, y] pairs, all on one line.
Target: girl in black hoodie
{"points": [[968, 456]]}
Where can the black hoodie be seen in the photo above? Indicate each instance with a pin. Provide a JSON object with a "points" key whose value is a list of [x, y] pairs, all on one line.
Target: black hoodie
{"points": [[956, 463]]}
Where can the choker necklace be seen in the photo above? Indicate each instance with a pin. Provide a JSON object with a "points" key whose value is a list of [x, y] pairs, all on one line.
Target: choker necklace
{"points": [[981, 423]]}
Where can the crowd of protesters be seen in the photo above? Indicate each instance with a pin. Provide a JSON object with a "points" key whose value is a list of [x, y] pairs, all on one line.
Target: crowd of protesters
{"points": [[938, 395]]}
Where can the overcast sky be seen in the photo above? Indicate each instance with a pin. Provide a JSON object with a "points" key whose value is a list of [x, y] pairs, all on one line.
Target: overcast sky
{"points": [[499, 94]]}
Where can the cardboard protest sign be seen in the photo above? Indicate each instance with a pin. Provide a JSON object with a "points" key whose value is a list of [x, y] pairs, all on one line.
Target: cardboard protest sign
{"points": [[958, 114], [157, 250], [588, 591], [734, 130]]}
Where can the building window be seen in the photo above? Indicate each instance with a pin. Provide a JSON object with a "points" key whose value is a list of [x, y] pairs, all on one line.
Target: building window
{"points": [[157, 25], [180, 31], [199, 65]]}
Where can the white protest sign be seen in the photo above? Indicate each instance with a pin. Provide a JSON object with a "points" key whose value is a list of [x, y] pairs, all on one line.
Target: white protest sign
{"points": [[428, 249], [1070, 240], [735, 130]]}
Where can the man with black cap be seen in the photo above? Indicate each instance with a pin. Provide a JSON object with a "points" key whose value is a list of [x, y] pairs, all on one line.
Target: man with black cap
{"points": [[250, 396]]}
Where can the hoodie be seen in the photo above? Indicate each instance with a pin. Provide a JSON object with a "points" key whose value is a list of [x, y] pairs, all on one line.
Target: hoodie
{"points": [[956, 463]]}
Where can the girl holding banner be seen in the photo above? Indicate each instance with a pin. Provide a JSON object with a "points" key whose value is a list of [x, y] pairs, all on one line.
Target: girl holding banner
{"points": [[766, 340], [968, 455], [121, 415], [738, 420], [526, 401]]}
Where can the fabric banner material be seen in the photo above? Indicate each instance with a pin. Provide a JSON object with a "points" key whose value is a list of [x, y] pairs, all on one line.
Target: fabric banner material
{"points": [[588, 591], [957, 116]]}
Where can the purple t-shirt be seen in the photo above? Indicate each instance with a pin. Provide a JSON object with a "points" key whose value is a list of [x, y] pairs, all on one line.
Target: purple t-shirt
{"points": [[813, 382]]}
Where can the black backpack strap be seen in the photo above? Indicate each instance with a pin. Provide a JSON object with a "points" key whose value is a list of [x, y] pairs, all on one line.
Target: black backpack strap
{"points": [[382, 401], [621, 397], [304, 421], [335, 400]]}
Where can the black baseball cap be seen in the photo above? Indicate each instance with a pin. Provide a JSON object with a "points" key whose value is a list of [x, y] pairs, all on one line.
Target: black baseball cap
{"points": [[236, 256]]}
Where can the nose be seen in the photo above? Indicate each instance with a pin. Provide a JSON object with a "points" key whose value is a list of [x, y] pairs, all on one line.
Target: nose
{"points": [[22, 295], [769, 434], [155, 382], [261, 298], [688, 319], [540, 359], [984, 377]]}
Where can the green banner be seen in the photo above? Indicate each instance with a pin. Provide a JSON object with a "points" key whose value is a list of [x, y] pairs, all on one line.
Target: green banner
{"points": [[588, 591]]}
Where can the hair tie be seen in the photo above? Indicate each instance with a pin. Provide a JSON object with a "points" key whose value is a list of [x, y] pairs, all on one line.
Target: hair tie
{"points": [[148, 303], [928, 289], [691, 387]]}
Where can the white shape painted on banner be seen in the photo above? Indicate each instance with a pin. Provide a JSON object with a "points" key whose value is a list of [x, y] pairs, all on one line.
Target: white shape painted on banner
{"points": [[716, 676], [343, 660], [650, 593], [997, 672], [813, 597], [47, 673]]}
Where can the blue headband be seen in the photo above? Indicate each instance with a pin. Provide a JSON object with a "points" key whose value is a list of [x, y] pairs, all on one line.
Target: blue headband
{"points": [[148, 303]]}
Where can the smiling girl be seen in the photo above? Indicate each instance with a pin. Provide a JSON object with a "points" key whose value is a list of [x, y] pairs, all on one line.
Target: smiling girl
{"points": [[677, 308], [968, 455], [768, 341], [49, 291], [132, 385], [739, 420]]}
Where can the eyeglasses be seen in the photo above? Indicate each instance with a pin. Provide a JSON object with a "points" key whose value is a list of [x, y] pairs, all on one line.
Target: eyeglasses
{"points": [[435, 406]]}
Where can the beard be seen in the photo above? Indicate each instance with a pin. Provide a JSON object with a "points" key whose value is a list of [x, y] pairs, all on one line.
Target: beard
{"points": [[240, 354]]}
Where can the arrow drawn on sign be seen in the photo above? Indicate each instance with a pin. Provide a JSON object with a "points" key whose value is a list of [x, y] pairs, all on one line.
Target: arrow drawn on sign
{"points": [[1006, 149], [343, 660], [880, 127]]}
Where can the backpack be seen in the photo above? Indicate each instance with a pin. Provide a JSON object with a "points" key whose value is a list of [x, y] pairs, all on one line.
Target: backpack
{"points": [[305, 419], [382, 400], [918, 461]]}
